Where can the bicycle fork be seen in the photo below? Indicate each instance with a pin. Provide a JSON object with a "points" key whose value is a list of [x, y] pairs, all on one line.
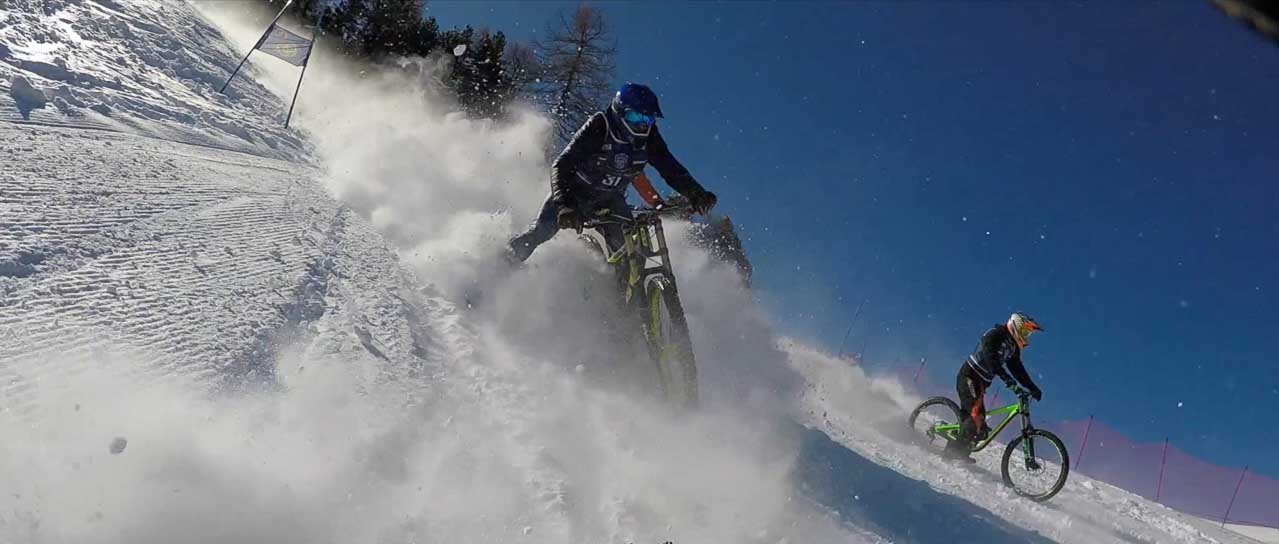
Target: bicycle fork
{"points": [[630, 256], [1027, 444]]}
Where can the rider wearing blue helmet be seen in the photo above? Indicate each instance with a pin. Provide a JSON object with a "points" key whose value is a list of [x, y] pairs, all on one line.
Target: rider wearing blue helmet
{"points": [[603, 158]]}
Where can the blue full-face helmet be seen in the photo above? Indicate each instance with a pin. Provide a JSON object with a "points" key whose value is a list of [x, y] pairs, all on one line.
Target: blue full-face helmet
{"points": [[637, 106]]}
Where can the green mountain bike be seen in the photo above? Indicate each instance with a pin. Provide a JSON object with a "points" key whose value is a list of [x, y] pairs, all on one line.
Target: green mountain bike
{"points": [[648, 286], [1035, 463]]}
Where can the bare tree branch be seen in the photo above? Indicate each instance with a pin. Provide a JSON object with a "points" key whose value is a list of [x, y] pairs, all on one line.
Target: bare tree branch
{"points": [[577, 61]]}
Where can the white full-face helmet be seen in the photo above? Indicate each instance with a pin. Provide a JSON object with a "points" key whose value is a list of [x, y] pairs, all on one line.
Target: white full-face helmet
{"points": [[1021, 326]]}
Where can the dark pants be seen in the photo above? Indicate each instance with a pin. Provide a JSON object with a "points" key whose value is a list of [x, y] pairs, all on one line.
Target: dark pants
{"points": [[546, 225], [972, 407]]}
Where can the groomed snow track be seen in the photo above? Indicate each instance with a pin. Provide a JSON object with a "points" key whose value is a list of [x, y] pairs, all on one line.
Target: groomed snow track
{"points": [[194, 260]]}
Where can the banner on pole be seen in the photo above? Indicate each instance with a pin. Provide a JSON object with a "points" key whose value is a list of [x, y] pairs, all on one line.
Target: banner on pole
{"points": [[286, 45]]}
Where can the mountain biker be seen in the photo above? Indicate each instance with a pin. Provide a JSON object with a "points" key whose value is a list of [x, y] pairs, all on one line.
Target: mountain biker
{"points": [[607, 154], [997, 354]]}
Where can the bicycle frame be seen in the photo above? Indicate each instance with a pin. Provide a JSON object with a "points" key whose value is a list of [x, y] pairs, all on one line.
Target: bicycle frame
{"points": [[644, 244], [1019, 408], [648, 274]]}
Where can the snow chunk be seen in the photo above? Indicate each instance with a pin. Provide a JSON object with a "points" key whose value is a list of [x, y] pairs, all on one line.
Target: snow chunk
{"points": [[66, 107], [27, 96]]}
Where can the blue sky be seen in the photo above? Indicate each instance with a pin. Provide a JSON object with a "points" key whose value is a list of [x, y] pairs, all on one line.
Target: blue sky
{"points": [[1111, 169]]}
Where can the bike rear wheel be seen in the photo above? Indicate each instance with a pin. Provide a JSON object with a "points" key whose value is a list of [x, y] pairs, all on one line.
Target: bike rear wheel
{"points": [[1036, 465], [932, 422], [670, 345]]}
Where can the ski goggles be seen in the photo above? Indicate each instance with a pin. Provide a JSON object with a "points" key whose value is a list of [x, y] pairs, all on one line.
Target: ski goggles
{"points": [[637, 119]]}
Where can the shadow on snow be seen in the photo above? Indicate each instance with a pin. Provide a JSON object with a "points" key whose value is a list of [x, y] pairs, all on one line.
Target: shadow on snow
{"points": [[891, 505]]}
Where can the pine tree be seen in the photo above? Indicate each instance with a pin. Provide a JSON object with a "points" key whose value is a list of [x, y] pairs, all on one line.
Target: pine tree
{"points": [[486, 89]]}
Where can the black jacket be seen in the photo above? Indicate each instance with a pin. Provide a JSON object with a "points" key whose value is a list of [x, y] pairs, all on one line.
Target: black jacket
{"points": [[599, 159], [998, 354]]}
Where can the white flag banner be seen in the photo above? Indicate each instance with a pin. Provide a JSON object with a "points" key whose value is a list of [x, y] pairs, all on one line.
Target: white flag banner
{"points": [[285, 45], [282, 44]]}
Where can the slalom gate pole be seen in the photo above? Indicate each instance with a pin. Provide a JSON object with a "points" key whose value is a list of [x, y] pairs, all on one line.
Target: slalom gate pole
{"points": [[306, 62], [1079, 457], [1232, 496], [1159, 489], [255, 45], [850, 329]]}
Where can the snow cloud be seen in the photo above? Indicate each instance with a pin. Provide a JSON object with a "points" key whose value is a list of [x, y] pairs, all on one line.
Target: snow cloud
{"points": [[448, 192]]}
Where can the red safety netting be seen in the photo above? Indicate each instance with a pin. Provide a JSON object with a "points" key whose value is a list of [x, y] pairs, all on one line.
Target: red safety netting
{"points": [[1111, 457], [1188, 484], [1258, 501], [1197, 487]]}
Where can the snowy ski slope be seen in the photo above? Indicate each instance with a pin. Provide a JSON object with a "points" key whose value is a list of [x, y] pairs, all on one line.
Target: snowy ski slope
{"points": [[266, 316]]}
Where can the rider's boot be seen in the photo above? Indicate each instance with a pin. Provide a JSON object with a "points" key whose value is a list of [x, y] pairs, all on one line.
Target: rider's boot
{"points": [[961, 448], [982, 434]]}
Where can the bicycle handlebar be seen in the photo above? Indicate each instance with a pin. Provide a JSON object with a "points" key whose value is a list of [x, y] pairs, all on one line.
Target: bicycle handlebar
{"points": [[1018, 390], [639, 215]]}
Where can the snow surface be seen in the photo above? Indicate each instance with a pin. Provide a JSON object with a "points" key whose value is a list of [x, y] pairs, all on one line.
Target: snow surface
{"points": [[1262, 534], [268, 320], [147, 67]]}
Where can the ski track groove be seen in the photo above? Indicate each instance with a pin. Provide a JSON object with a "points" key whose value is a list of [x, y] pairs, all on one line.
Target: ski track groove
{"points": [[129, 259]]}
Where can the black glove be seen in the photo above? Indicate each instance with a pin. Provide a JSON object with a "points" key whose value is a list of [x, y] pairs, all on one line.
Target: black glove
{"points": [[567, 218], [702, 202], [1035, 393]]}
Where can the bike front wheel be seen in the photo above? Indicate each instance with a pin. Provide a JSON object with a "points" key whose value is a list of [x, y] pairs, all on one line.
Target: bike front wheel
{"points": [[670, 345], [1036, 465]]}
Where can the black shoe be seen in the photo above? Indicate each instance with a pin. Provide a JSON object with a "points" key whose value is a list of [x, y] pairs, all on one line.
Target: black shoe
{"points": [[958, 451], [982, 434]]}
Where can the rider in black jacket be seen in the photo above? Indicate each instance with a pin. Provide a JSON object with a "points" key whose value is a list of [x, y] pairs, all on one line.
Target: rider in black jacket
{"points": [[602, 159], [997, 354]]}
